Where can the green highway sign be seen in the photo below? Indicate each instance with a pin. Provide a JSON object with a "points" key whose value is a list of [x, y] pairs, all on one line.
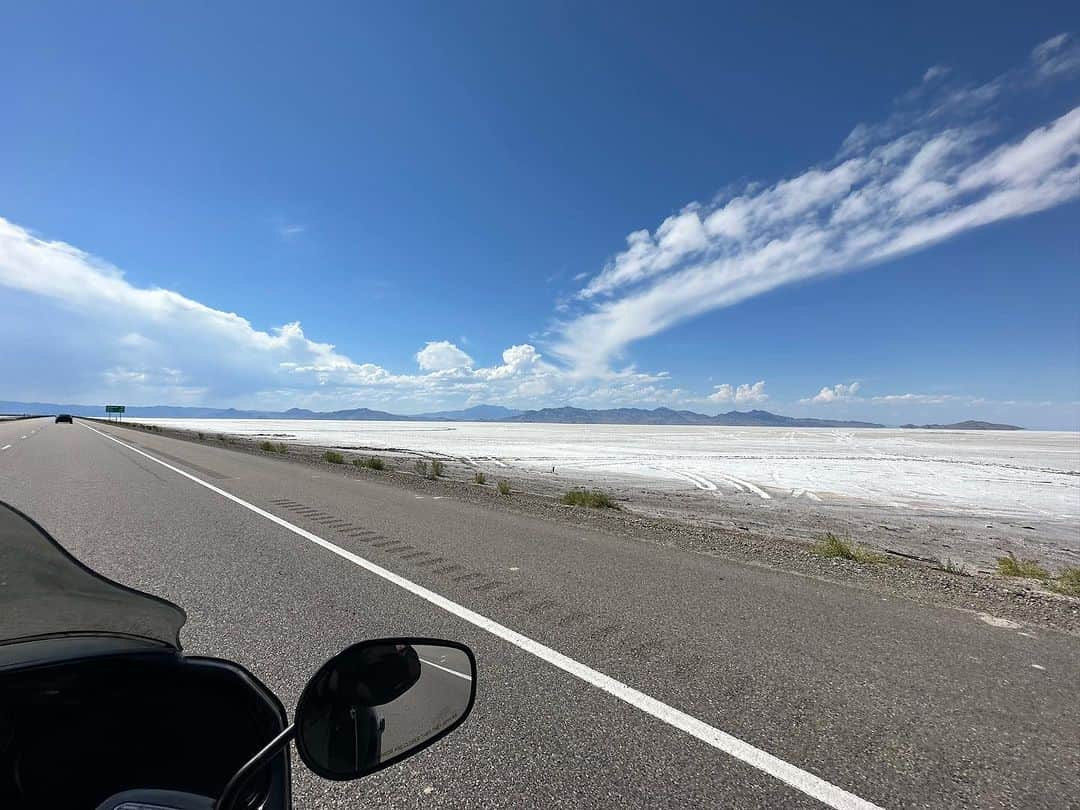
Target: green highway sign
{"points": [[114, 409]]}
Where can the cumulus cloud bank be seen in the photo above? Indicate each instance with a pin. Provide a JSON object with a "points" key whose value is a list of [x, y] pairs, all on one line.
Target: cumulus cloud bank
{"points": [[442, 355], [836, 393], [156, 345], [942, 165], [741, 395]]}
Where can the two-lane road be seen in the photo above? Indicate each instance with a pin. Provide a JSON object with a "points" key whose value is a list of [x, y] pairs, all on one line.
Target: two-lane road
{"points": [[612, 672]]}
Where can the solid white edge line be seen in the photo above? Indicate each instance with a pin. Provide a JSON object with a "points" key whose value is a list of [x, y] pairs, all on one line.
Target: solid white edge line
{"points": [[6, 447], [462, 675], [804, 781]]}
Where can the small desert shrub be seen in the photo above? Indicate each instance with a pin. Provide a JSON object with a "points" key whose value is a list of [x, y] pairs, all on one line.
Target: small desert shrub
{"points": [[504, 487], [1067, 582], [951, 566], [334, 457], [833, 546], [371, 462], [269, 447], [421, 468], [479, 478], [588, 497], [1012, 567], [223, 438], [202, 435], [437, 468]]}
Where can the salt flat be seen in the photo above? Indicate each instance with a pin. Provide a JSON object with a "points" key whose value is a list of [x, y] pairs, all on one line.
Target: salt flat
{"points": [[1020, 475]]}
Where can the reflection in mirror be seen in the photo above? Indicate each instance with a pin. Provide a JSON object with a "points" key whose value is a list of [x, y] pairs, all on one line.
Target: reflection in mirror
{"points": [[379, 701]]}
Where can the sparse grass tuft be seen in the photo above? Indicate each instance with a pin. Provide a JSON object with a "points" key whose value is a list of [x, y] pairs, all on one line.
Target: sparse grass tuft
{"points": [[421, 468], [371, 462], [223, 438], [832, 545], [479, 478], [1067, 582], [334, 457], [951, 566], [504, 487], [588, 497], [202, 435], [272, 447], [1010, 566], [437, 468]]}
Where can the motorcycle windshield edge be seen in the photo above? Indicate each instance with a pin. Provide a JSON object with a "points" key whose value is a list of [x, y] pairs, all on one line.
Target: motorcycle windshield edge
{"points": [[45, 592]]}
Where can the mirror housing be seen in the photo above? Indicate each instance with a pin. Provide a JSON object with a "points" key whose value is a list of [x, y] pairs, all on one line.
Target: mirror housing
{"points": [[377, 702]]}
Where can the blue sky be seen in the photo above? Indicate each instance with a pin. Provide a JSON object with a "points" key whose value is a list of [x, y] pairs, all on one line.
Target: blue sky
{"points": [[852, 211]]}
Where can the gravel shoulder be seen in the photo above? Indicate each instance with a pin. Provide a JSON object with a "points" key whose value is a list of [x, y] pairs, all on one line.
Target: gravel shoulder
{"points": [[733, 533]]}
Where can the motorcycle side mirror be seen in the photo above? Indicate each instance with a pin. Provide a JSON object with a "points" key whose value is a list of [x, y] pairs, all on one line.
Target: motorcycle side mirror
{"points": [[377, 702], [371, 705]]}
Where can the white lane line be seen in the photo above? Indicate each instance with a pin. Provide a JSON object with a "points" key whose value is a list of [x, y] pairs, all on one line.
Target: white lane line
{"points": [[5, 447], [461, 675], [814, 786], [22, 437]]}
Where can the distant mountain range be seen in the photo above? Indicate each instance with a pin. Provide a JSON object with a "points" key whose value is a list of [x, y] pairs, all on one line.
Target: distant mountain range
{"points": [[489, 413], [667, 416], [968, 425]]}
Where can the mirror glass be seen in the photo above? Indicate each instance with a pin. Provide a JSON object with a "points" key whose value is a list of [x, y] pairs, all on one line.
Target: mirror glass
{"points": [[380, 701]]}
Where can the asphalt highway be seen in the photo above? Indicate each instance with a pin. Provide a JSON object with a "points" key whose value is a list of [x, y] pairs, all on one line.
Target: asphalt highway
{"points": [[612, 672]]}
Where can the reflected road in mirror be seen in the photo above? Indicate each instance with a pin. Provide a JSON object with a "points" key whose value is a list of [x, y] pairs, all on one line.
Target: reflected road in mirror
{"points": [[377, 702]]}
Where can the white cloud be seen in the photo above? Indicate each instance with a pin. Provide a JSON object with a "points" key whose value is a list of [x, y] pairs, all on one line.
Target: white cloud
{"points": [[442, 355], [169, 348], [923, 176], [924, 399], [133, 340], [849, 393], [1058, 55], [289, 231], [836, 393], [741, 395], [517, 360], [935, 72]]}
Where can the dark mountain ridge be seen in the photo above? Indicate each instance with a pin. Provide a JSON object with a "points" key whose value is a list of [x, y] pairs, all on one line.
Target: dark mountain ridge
{"points": [[668, 416], [479, 413], [970, 424]]}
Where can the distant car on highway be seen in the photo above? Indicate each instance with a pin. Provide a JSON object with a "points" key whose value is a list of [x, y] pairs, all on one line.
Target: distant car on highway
{"points": [[64, 417]]}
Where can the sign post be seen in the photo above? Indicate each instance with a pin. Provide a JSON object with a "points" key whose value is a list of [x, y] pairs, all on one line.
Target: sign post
{"points": [[115, 409]]}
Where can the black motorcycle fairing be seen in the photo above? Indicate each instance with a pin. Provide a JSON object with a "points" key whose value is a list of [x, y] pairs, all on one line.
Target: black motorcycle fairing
{"points": [[75, 732], [47, 592]]}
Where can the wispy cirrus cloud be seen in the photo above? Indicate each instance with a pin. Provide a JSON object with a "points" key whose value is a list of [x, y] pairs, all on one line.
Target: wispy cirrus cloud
{"points": [[1060, 54], [847, 394], [935, 72], [942, 165]]}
